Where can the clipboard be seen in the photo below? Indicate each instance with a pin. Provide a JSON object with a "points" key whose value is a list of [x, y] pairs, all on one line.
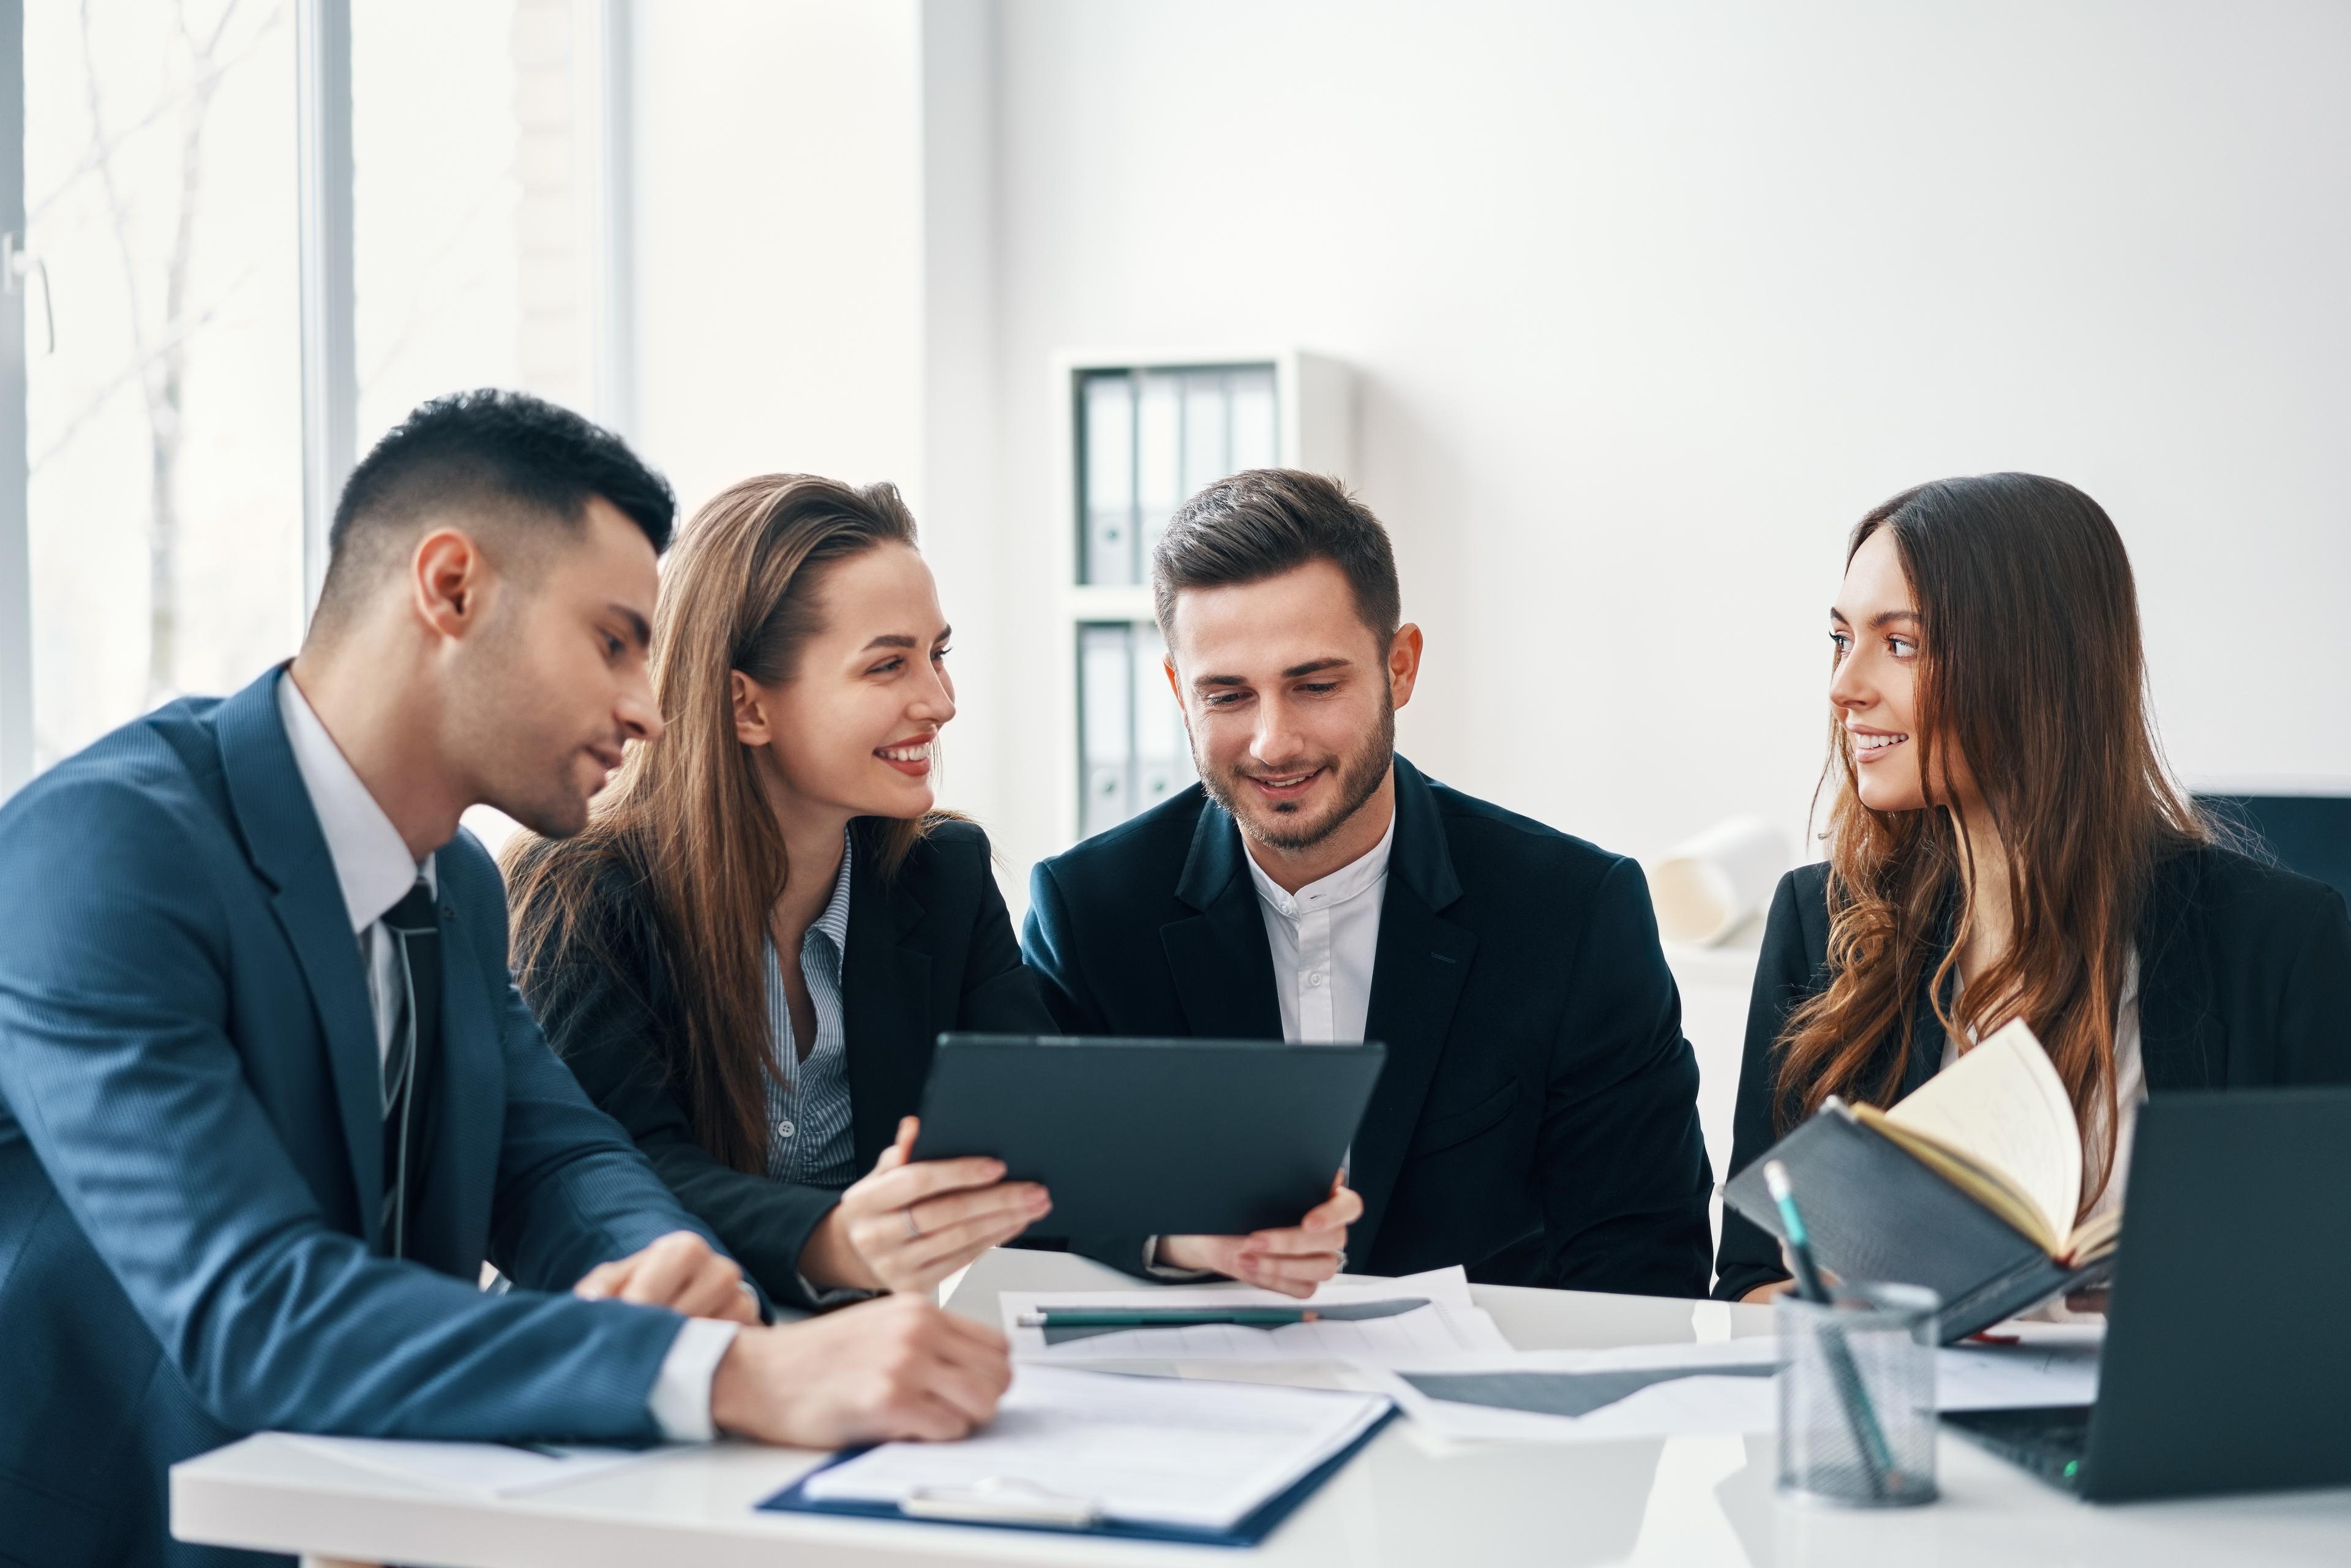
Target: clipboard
{"points": [[1017, 1507]]}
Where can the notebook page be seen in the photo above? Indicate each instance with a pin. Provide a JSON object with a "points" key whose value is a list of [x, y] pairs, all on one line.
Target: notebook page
{"points": [[2003, 1105], [1149, 1450]]}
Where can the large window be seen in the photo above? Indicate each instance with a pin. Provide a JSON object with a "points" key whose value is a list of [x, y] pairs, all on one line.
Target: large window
{"points": [[162, 372], [474, 130], [158, 546]]}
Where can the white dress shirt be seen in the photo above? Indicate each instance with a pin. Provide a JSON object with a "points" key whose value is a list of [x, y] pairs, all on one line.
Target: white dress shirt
{"points": [[1325, 940], [372, 867]]}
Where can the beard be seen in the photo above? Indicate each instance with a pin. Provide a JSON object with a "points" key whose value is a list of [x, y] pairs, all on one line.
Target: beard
{"points": [[1357, 775]]}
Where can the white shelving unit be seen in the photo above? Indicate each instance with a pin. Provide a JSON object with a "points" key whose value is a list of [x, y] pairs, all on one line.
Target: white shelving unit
{"points": [[1140, 432]]}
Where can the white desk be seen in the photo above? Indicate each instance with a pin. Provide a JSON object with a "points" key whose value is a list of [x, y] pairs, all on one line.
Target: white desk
{"points": [[1405, 1500]]}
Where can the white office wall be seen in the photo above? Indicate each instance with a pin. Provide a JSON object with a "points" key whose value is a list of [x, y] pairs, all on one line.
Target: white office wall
{"points": [[1649, 302], [815, 222], [778, 188]]}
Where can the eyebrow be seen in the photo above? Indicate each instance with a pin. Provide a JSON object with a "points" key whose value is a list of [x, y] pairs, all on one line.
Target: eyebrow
{"points": [[1311, 666], [900, 640], [1883, 617]]}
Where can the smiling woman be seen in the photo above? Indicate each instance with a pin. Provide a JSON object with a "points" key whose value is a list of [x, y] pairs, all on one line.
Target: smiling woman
{"points": [[746, 955], [2006, 844]]}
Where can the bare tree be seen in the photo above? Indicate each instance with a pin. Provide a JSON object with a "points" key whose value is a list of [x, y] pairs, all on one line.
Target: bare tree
{"points": [[161, 355]]}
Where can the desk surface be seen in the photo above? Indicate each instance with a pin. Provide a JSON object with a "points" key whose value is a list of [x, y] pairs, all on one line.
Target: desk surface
{"points": [[1407, 1500]]}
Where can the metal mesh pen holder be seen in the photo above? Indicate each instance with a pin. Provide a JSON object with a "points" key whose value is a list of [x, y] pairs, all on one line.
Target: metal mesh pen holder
{"points": [[1858, 1396]]}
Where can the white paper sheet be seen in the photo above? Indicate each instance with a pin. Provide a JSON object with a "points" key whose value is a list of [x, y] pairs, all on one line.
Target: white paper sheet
{"points": [[2053, 1364], [1149, 1450], [482, 1470], [1451, 1324]]}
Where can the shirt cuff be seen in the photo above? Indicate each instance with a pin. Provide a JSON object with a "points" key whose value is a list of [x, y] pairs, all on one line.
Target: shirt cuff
{"points": [[680, 1403], [1158, 1270]]}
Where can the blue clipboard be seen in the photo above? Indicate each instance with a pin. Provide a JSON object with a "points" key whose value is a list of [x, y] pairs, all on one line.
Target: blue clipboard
{"points": [[1252, 1529]]}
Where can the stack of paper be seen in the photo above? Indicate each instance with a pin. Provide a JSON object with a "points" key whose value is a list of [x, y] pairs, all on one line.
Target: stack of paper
{"points": [[1721, 1386], [1089, 1446], [1450, 1325]]}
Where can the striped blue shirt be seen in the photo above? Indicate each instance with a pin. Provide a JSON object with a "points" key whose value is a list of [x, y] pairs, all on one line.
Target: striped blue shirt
{"points": [[809, 1138]]}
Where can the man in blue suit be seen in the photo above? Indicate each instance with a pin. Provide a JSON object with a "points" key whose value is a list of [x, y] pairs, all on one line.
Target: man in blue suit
{"points": [[268, 1098]]}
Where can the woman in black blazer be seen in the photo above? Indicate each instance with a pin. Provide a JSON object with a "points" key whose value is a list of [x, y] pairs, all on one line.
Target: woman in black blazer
{"points": [[747, 956], [2004, 842]]}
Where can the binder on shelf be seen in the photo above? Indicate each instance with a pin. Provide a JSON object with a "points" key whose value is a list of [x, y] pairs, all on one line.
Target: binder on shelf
{"points": [[1207, 451], [1158, 460], [1163, 756], [1256, 419], [1105, 725], [1108, 459]]}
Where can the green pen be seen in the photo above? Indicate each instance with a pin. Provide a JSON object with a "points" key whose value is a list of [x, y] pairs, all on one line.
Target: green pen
{"points": [[1195, 1317]]}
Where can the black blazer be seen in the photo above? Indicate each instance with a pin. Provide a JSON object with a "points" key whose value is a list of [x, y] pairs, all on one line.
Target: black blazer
{"points": [[1537, 1120], [930, 949], [2245, 981]]}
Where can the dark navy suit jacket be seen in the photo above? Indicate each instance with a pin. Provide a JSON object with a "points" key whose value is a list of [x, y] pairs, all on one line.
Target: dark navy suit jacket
{"points": [[2245, 982], [190, 1159], [1536, 1120]]}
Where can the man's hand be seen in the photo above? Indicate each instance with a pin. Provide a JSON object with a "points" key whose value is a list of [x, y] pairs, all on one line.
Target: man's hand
{"points": [[907, 1226], [892, 1368], [1292, 1261], [679, 1271]]}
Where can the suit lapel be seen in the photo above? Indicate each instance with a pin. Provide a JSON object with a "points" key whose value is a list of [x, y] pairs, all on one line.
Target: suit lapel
{"points": [[452, 1226], [287, 848], [885, 983], [1222, 967], [1422, 960]]}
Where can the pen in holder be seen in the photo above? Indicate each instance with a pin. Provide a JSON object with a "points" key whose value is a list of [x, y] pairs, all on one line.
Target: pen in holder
{"points": [[1858, 1396]]}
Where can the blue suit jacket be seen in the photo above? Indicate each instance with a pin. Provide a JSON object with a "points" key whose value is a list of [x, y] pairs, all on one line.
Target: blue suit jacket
{"points": [[1536, 1120], [191, 1152]]}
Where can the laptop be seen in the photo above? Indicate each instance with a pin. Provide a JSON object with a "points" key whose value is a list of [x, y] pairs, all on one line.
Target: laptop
{"points": [[2226, 1365]]}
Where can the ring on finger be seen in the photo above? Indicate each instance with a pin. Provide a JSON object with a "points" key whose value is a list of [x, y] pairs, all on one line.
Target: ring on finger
{"points": [[913, 1229]]}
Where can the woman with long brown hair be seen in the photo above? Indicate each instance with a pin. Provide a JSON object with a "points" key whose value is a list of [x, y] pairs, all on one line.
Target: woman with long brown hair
{"points": [[746, 955], [2004, 842]]}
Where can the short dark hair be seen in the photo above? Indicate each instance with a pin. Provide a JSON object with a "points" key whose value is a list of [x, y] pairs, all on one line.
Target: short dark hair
{"points": [[1266, 521], [487, 446]]}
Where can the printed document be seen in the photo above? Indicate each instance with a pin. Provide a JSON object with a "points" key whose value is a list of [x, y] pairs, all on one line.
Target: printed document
{"points": [[1144, 1450]]}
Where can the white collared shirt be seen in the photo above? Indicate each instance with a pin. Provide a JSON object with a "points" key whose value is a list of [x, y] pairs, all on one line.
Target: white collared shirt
{"points": [[374, 871], [1325, 941]]}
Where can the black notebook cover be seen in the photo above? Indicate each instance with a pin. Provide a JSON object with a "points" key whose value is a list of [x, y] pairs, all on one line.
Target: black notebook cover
{"points": [[1875, 1212]]}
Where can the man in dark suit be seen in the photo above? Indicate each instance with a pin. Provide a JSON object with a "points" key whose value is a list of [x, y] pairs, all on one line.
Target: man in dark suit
{"points": [[1536, 1120], [268, 1099]]}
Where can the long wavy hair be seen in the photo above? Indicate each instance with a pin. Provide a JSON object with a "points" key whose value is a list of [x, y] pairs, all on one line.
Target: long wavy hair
{"points": [[686, 817], [2032, 670]]}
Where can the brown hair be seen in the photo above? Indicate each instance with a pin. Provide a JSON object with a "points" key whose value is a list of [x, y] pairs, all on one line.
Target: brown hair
{"points": [[1265, 521], [2031, 668], [685, 817]]}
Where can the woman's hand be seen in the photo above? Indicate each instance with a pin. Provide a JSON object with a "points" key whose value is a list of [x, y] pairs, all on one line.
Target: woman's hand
{"points": [[1293, 1262], [680, 1271], [909, 1225]]}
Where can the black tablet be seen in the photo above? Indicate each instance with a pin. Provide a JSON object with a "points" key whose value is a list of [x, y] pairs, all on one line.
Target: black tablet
{"points": [[1143, 1137]]}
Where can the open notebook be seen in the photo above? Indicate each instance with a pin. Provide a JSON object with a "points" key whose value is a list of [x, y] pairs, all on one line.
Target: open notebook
{"points": [[1997, 1125], [1969, 1186]]}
